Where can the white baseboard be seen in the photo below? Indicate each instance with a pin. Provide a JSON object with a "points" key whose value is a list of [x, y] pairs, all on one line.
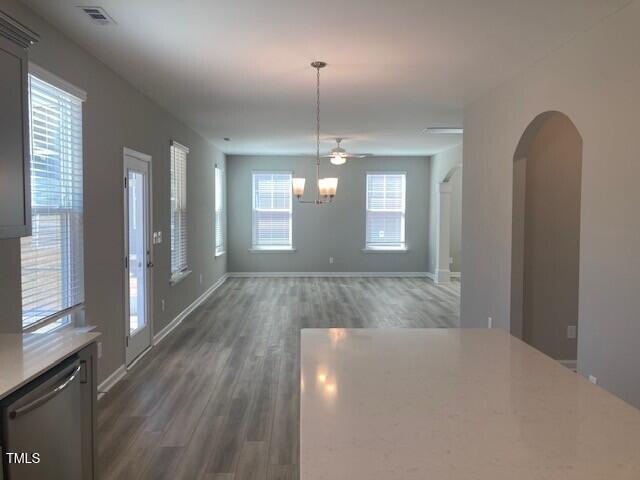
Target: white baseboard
{"points": [[111, 380], [158, 337], [328, 274], [121, 371], [432, 275]]}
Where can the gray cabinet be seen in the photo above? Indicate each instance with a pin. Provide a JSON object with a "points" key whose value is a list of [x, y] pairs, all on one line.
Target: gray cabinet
{"points": [[15, 194], [53, 416]]}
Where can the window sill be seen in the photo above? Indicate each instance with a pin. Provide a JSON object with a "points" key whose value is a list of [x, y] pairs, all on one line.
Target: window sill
{"points": [[385, 249], [219, 254], [272, 250], [178, 277]]}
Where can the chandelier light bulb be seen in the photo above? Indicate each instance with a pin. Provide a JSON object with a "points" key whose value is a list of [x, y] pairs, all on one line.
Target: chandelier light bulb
{"points": [[298, 186]]}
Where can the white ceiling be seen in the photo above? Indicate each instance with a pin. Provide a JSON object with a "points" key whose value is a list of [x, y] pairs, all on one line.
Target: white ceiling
{"points": [[240, 68]]}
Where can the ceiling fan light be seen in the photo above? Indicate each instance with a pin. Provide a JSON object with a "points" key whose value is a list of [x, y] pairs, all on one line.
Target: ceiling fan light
{"points": [[337, 159]]}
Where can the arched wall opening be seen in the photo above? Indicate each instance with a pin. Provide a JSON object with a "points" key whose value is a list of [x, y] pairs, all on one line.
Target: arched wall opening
{"points": [[547, 177]]}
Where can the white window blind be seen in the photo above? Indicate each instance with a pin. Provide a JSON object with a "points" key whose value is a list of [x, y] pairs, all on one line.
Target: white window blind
{"points": [[386, 199], [52, 258], [272, 210], [219, 208], [179, 215]]}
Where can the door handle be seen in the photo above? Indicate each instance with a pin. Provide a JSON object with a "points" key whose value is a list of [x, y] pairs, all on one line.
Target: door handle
{"points": [[149, 264], [47, 396]]}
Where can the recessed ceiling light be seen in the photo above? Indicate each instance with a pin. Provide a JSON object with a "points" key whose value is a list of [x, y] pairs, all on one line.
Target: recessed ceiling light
{"points": [[445, 130]]}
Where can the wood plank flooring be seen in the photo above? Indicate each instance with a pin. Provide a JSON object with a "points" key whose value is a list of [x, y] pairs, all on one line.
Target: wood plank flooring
{"points": [[218, 399]]}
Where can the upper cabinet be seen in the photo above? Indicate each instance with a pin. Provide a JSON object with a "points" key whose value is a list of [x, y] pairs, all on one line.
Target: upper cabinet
{"points": [[15, 194]]}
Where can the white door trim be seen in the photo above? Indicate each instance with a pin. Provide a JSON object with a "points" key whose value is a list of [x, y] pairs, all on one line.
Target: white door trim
{"points": [[143, 157]]}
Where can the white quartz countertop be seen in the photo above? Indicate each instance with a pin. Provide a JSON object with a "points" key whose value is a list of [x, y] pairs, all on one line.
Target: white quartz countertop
{"points": [[449, 404], [25, 356]]}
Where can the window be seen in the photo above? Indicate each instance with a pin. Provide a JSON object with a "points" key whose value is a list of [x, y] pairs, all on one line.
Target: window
{"points": [[386, 199], [272, 210], [179, 266], [219, 207], [52, 258]]}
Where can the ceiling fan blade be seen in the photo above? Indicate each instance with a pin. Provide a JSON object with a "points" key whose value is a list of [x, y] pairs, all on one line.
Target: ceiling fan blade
{"points": [[359, 155]]}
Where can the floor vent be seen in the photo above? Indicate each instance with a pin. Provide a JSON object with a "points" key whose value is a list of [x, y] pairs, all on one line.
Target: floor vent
{"points": [[98, 15]]}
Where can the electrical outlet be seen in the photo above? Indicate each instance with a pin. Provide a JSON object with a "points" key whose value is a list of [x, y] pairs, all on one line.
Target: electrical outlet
{"points": [[99, 349], [489, 322], [572, 332], [162, 304], [593, 379], [201, 278], [330, 259]]}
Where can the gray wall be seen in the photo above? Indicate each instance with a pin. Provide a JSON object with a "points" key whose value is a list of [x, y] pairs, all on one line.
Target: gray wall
{"points": [[594, 81], [337, 230], [117, 115], [442, 164]]}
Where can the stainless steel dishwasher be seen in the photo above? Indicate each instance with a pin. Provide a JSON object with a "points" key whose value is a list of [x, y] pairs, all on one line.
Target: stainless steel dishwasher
{"points": [[48, 417]]}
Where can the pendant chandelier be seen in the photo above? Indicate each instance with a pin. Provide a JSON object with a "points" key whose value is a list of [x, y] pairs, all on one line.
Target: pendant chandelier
{"points": [[325, 187]]}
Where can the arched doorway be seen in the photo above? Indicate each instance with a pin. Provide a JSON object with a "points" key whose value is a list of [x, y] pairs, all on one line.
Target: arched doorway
{"points": [[547, 174]]}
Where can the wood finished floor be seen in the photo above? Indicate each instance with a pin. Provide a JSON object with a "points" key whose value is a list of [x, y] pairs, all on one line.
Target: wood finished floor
{"points": [[218, 399]]}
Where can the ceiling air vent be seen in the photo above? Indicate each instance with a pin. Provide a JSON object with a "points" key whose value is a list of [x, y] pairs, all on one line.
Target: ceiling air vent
{"points": [[98, 15]]}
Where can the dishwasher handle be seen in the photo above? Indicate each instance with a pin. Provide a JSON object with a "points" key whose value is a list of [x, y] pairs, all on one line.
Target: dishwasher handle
{"points": [[47, 396]]}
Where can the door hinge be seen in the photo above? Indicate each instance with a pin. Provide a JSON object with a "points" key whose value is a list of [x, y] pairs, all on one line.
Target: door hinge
{"points": [[127, 340], [126, 182], [126, 263]]}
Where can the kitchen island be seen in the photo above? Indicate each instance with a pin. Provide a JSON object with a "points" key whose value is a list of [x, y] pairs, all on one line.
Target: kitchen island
{"points": [[454, 404]]}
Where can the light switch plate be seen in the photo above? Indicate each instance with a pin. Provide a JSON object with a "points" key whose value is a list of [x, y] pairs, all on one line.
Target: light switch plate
{"points": [[572, 332]]}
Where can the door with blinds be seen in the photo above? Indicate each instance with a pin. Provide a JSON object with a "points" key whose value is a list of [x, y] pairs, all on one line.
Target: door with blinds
{"points": [[138, 262]]}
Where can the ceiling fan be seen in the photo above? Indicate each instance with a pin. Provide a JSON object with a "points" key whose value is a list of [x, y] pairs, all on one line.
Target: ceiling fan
{"points": [[339, 155]]}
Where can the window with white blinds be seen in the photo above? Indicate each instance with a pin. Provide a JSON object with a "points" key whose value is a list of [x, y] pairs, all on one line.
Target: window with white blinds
{"points": [[179, 215], [219, 208], [52, 258], [386, 200], [272, 210]]}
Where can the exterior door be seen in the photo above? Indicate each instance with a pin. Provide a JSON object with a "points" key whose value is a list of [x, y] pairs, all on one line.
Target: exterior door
{"points": [[138, 264]]}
